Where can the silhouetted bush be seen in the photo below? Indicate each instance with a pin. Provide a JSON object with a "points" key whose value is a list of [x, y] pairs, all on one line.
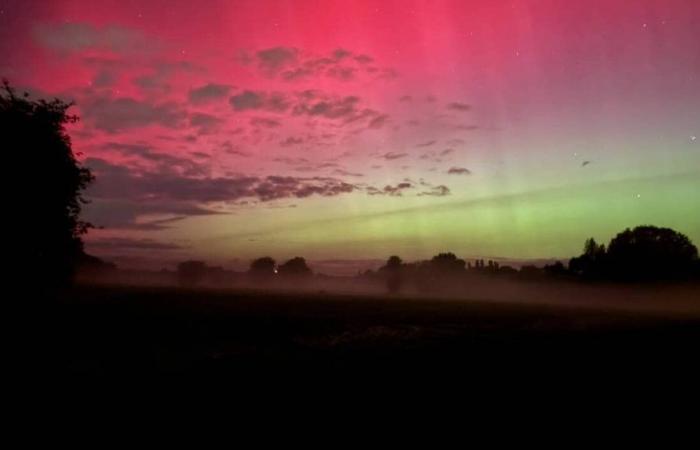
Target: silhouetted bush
{"points": [[507, 270], [447, 263], [263, 268], [392, 272], [591, 264], [557, 269], [530, 272], [295, 268], [191, 273], [41, 164], [92, 265]]}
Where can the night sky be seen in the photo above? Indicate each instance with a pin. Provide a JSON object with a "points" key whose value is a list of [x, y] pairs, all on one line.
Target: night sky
{"points": [[340, 131]]}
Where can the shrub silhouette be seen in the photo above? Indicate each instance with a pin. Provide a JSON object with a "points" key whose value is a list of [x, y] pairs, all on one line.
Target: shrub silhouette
{"points": [[262, 268], [295, 267], [191, 273], [591, 264], [393, 274], [42, 164], [447, 263]]}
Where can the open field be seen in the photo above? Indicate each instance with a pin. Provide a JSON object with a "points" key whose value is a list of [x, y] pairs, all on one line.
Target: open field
{"points": [[135, 331]]}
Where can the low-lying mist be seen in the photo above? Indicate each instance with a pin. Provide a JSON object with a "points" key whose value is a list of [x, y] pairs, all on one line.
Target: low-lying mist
{"points": [[671, 298]]}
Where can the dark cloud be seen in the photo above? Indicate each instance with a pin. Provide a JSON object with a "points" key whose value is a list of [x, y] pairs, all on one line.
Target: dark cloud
{"points": [[406, 98], [340, 53], [456, 106], [378, 121], [157, 80], [277, 187], [161, 72], [341, 73], [265, 122], [291, 161], [436, 191], [205, 123], [113, 115], [391, 190], [208, 93], [291, 140], [364, 59], [459, 171], [153, 82], [252, 100], [394, 155], [104, 78], [158, 160], [307, 166], [347, 173], [426, 144], [315, 104], [272, 60], [116, 243], [129, 214], [75, 37], [447, 151], [247, 100], [399, 189], [290, 64], [455, 142], [312, 103], [432, 156], [120, 182], [235, 150]]}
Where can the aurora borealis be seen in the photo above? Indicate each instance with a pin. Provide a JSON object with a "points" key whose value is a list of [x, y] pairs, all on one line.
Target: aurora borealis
{"points": [[352, 130]]}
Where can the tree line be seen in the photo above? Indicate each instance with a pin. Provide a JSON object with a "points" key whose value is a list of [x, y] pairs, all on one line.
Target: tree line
{"points": [[50, 232], [642, 254]]}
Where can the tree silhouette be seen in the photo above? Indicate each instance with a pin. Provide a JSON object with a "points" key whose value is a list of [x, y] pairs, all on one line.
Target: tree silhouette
{"points": [[191, 273], [392, 272], [447, 263], [648, 252], [295, 267], [42, 164], [263, 268], [643, 253], [591, 264]]}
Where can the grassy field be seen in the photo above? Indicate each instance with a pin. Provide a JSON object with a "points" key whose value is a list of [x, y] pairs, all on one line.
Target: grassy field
{"points": [[135, 331]]}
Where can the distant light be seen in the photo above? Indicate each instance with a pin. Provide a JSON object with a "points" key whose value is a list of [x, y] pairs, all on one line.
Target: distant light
{"points": [[693, 138]]}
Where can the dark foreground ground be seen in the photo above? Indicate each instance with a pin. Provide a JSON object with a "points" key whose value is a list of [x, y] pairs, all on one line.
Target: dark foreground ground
{"points": [[146, 331]]}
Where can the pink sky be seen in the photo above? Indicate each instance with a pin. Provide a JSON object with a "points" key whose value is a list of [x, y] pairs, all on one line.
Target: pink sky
{"points": [[198, 113]]}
